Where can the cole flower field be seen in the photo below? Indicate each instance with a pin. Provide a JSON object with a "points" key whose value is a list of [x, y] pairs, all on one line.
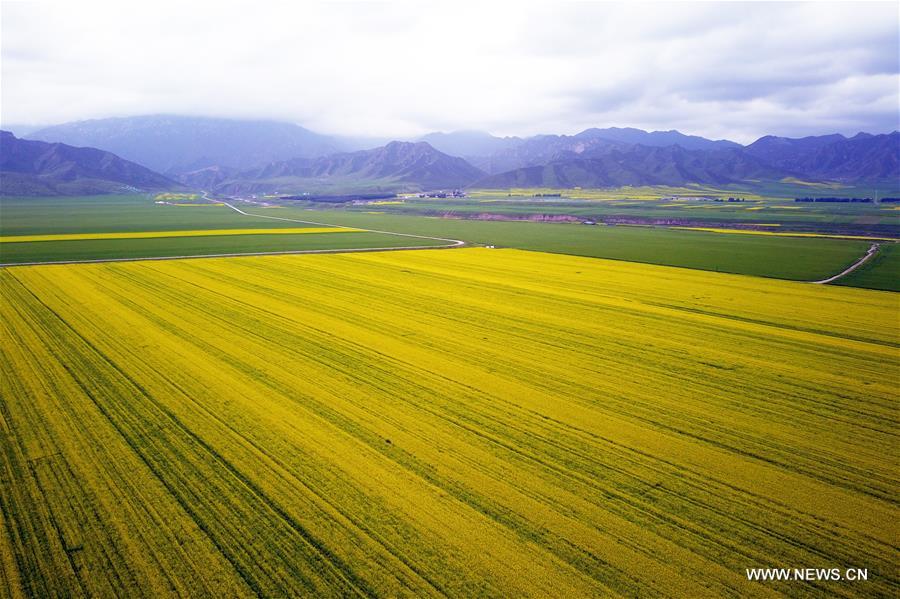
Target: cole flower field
{"points": [[472, 422]]}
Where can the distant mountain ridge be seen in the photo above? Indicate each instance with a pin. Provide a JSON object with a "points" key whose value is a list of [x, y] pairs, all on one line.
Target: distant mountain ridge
{"points": [[36, 168], [267, 155], [478, 145], [466, 144], [175, 144], [789, 152], [638, 165], [543, 149], [863, 157], [660, 139], [397, 165]]}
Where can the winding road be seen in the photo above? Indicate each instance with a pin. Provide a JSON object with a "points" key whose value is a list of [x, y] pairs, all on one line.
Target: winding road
{"points": [[450, 243], [872, 251]]}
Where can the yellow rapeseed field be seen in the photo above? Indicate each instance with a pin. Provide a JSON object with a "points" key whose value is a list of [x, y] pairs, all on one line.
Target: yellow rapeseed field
{"points": [[178, 233], [469, 422]]}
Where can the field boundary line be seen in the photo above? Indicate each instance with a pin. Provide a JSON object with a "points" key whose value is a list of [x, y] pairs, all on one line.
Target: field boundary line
{"points": [[453, 242], [868, 255]]}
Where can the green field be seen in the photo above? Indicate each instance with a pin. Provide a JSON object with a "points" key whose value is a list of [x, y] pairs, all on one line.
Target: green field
{"points": [[881, 272], [838, 217], [474, 422], [656, 204], [92, 214], [119, 214], [106, 249], [777, 190], [32, 216], [779, 257]]}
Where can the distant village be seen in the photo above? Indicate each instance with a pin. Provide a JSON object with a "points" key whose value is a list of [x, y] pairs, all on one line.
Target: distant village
{"points": [[456, 193], [703, 199]]}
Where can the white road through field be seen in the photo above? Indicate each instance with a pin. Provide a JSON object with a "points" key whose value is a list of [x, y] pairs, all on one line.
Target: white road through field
{"points": [[450, 243], [872, 251]]}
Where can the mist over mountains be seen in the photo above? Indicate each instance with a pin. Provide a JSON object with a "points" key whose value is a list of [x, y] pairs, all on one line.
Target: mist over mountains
{"points": [[248, 156], [173, 144]]}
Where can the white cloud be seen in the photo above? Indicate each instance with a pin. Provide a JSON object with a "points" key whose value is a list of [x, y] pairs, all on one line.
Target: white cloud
{"points": [[717, 69]]}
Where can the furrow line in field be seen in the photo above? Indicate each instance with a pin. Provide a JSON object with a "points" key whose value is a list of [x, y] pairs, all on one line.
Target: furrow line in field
{"points": [[156, 465], [816, 462]]}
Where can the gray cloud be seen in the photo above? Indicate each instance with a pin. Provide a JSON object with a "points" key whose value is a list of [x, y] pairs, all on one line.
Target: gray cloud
{"points": [[718, 69]]}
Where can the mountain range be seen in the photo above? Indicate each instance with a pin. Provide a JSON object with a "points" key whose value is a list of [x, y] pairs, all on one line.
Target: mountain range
{"points": [[36, 168], [174, 144], [468, 144], [267, 156], [542, 149], [638, 165], [863, 158], [397, 165]]}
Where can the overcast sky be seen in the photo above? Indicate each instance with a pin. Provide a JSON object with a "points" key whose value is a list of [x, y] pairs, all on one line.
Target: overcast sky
{"points": [[722, 70]]}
